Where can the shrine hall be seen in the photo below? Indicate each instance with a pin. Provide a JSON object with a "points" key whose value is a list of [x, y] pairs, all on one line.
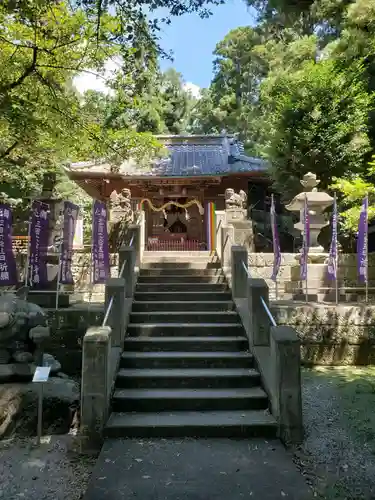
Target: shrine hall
{"points": [[180, 193]]}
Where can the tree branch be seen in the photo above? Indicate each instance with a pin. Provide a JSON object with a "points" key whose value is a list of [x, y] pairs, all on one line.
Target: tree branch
{"points": [[28, 71], [7, 152], [71, 69]]}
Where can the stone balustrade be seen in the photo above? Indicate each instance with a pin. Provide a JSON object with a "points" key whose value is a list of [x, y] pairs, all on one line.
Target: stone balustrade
{"points": [[102, 347], [276, 348]]}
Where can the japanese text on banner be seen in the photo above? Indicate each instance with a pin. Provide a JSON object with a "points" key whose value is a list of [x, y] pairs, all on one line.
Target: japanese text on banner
{"points": [[8, 271], [38, 244], [100, 251], [306, 241], [362, 243]]}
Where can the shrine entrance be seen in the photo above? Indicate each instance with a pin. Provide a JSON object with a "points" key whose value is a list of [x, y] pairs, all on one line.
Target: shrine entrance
{"points": [[174, 224]]}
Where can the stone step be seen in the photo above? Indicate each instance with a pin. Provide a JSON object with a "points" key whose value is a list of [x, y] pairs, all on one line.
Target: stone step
{"points": [[176, 306], [181, 287], [207, 343], [186, 359], [182, 278], [193, 378], [154, 254], [183, 259], [253, 398], [184, 317], [188, 296], [153, 330], [203, 424], [168, 271], [174, 264]]}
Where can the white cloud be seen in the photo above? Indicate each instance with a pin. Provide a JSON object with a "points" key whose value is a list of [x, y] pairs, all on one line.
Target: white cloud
{"points": [[193, 89], [88, 81]]}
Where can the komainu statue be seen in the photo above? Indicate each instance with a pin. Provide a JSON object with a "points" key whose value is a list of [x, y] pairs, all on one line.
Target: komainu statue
{"points": [[120, 216], [23, 328], [234, 200], [120, 206]]}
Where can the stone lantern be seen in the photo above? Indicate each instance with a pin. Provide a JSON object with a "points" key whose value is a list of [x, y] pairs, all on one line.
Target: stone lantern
{"points": [[317, 203]]}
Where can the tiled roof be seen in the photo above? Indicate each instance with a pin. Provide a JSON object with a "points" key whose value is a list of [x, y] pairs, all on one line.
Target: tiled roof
{"points": [[190, 156]]}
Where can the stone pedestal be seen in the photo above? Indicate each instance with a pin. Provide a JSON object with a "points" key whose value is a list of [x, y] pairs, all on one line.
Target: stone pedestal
{"points": [[316, 203], [243, 234], [46, 296], [234, 215]]}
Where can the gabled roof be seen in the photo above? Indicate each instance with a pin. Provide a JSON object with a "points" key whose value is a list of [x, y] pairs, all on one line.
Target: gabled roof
{"points": [[193, 155]]}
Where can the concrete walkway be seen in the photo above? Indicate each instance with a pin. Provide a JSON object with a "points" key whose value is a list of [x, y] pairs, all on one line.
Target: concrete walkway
{"points": [[195, 469]]}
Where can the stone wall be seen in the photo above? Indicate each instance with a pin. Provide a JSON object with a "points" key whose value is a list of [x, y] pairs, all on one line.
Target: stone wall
{"points": [[341, 335], [260, 266], [82, 272], [68, 327]]}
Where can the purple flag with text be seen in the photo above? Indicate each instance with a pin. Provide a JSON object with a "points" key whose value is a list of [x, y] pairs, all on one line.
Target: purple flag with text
{"points": [[306, 241], [275, 241], [38, 244], [8, 270], [100, 251], [71, 212], [332, 259], [362, 242]]}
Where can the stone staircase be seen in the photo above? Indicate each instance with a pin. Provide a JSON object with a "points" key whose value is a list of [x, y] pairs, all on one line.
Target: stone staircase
{"points": [[186, 369]]}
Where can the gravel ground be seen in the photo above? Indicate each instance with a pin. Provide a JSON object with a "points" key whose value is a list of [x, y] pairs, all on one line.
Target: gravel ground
{"points": [[52, 471], [336, 460]]}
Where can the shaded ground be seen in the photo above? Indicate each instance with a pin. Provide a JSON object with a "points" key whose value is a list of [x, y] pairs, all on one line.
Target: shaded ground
{"points": [[50, 472], [338, 455], [195, 469]]}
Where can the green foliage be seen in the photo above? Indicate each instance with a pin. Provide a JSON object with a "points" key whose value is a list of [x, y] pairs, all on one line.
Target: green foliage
{"points": [[299, 89], [353, 190], [44, 122], [316, 121]]}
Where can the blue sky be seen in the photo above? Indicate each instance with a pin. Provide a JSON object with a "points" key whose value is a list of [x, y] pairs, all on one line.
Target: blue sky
{"points": [[193, 40]]}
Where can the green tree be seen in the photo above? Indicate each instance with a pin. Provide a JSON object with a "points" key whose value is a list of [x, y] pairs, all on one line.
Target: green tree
{"points": [[231, 102]]}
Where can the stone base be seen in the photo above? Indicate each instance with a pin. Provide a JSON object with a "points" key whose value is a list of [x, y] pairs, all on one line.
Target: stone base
{"points": [[24, 372], [234, 215], [48, 299]]}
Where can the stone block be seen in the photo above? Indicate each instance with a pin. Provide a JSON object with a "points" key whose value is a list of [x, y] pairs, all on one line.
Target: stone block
{"points": [[259, 327], [243, 234], [127, 259], [220, 221], [39, 333], [115, 293], [286, 394], [135, 234], [96, 383], [239, 273], [227, 241]]}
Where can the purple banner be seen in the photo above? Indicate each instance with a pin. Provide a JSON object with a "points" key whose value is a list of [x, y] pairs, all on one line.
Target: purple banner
{"points": [[100, 251], [70, 220], [306, 241], [332, 259], [8, 270], [38, 244], [275, 241], [362, 242]]}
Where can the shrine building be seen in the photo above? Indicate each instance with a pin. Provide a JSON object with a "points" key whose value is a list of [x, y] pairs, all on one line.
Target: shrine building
{"points": [[180, 193]]}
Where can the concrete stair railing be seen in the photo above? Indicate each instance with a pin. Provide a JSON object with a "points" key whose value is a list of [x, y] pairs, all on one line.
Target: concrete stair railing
{"points": [[191, 361]]}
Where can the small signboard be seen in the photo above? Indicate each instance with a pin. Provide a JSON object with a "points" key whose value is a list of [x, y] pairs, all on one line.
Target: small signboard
{"points": [[41, 374]]}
